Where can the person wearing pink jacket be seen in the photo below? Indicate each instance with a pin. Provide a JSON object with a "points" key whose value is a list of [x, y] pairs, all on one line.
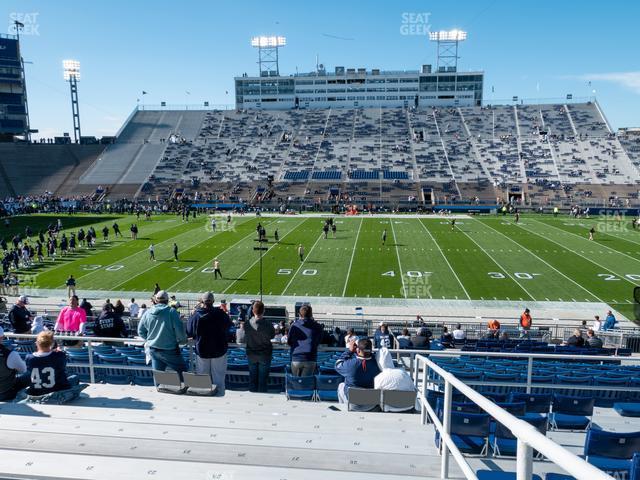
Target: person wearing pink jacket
{"points": [[72, 318]]}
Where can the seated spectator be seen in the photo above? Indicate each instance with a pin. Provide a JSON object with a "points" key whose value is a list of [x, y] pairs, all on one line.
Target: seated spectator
{"points": [[404, 340], [459, 333], [391, 378], [38, 324], [359, 370], [575, 340], [118, 308], [143, 308], [278, 336], [240, 332], [383, 337], [494, 328], [446, 339], [609, 322], [337, 334], [110, 324], [87, 307], [350, 336], [593, 341], [597, 324], [422, 340], [504, 336], [13, 372], [304, 337], [134, 308]]}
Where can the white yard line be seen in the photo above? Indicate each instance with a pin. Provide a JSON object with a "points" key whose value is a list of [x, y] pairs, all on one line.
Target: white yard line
{"points": [[197, 269], [445, 259], [499, 266], [254, 263], [301, 264], [395, 241], [580, 255], [543, 261], [586, 240], [353, 253]]}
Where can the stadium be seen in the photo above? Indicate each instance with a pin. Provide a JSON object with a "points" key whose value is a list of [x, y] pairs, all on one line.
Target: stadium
{"points": [[343, 272]]}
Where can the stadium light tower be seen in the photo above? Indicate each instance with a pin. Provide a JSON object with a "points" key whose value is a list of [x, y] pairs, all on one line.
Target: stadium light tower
{"points": [[72, 75], [268, 53], [448, 42]]}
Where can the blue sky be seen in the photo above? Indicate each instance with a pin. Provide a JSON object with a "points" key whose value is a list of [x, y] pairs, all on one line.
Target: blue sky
{"points": [[542, 49]]}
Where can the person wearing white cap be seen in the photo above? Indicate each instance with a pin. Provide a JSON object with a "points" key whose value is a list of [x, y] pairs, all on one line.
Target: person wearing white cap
{"points": [[163, 331], [20, 316], [209, 327], [13, 372]]}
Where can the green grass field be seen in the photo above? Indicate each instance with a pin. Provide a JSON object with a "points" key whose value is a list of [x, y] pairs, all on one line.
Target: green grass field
{"points": [[485, 258]]}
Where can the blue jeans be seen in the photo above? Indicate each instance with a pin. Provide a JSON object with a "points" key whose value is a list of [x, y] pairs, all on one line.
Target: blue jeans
{"points": [[259, 375], [161, 359]]}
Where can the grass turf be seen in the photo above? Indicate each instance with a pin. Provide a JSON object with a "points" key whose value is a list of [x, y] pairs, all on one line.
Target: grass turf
{"points": [[541, 258]]}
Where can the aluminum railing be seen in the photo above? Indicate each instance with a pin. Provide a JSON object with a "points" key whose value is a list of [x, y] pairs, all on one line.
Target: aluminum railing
{"points": [[528, 438]]}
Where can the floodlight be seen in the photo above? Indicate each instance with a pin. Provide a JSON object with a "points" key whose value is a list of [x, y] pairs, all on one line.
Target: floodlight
{"points": [[448, 36], [71, 69], [268, 41]]}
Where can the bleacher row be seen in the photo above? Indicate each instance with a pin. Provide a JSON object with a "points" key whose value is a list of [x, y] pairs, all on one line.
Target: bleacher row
{"points": [[543, 145]]}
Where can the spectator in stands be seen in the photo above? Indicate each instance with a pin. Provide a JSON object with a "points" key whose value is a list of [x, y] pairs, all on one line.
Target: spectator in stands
{"points": [[383, 337], [391, 378], [87, 307], [404, 340], [38, 324], [350, 336], [20, 316], [134, 308], [593, 341], [609, 322], [240, 332], [525, 323], [163, 331], [446, 339], [575, 340], [358, 368], [143, 308], [423, 337], [258, 334], [110, 324], [459, 333], [494, 328], [13, 372], [72, 319], [304, 337], [597, 324], [118, 308], [208, 326], [47, 367]]}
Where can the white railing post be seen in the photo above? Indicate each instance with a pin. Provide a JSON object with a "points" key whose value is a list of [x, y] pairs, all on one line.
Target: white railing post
{"points": [[446, 427], [529, 373], [423, 407], [92, 374], [524, 461]]}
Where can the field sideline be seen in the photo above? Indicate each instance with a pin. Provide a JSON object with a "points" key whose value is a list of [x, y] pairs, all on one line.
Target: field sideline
{"points": [[485, 258]]}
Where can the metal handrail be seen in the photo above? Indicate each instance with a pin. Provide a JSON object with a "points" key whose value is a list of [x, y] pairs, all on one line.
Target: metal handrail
{"points": [[527, 436]]}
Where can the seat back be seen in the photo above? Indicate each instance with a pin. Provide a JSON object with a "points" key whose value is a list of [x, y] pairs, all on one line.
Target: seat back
{"points": [[539, 422], [573, 405], [398, 398], [611, 444], [198, 382], [328, 382], [364, 396], [471, 424], [304, 385], [169, 379], [635, 467], [534, 402]]}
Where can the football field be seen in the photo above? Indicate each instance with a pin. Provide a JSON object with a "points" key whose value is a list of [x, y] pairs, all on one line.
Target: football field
{"points": [[541, 258]]}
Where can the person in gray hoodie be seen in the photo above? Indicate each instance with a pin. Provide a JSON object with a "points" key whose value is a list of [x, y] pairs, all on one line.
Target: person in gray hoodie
{"points": [[258, 334], [163, 331]]}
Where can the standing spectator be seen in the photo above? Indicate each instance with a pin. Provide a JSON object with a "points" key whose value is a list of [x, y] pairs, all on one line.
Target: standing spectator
{"points": [[20, 316], [143, 308], [459, 333], [72, 319], [209, 326], [71, 286], [525, 323], [359, 370], [304, 337], [240, 332], [87, 307], [258, 334], [163, 331], [134, 308], [597, 324], [110, 324], [383, 337], [13, 372], [118, 308], [609, 322], [593, 341]]}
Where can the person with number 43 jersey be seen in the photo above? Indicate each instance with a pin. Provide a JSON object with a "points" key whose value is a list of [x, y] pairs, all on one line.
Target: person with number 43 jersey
{"points": [[47, 367]]}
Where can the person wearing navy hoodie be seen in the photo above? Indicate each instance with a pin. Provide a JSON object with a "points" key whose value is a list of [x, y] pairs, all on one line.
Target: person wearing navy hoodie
{"points": [[209, 327], [359, 370], [304, 337], [383, 337]]}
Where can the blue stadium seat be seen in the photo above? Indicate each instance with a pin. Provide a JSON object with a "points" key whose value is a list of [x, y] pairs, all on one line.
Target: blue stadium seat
{"points": [[493, 475], [327, 387], [607, 397], [237, 382], [571, 413], [535, 402], [627, 409], [300, 388], [142, 377], [611, 452], [470, 432], [504, 443]]}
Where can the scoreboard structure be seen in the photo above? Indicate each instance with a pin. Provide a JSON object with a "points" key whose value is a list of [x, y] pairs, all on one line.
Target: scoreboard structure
{"points": [[14, 113]]}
